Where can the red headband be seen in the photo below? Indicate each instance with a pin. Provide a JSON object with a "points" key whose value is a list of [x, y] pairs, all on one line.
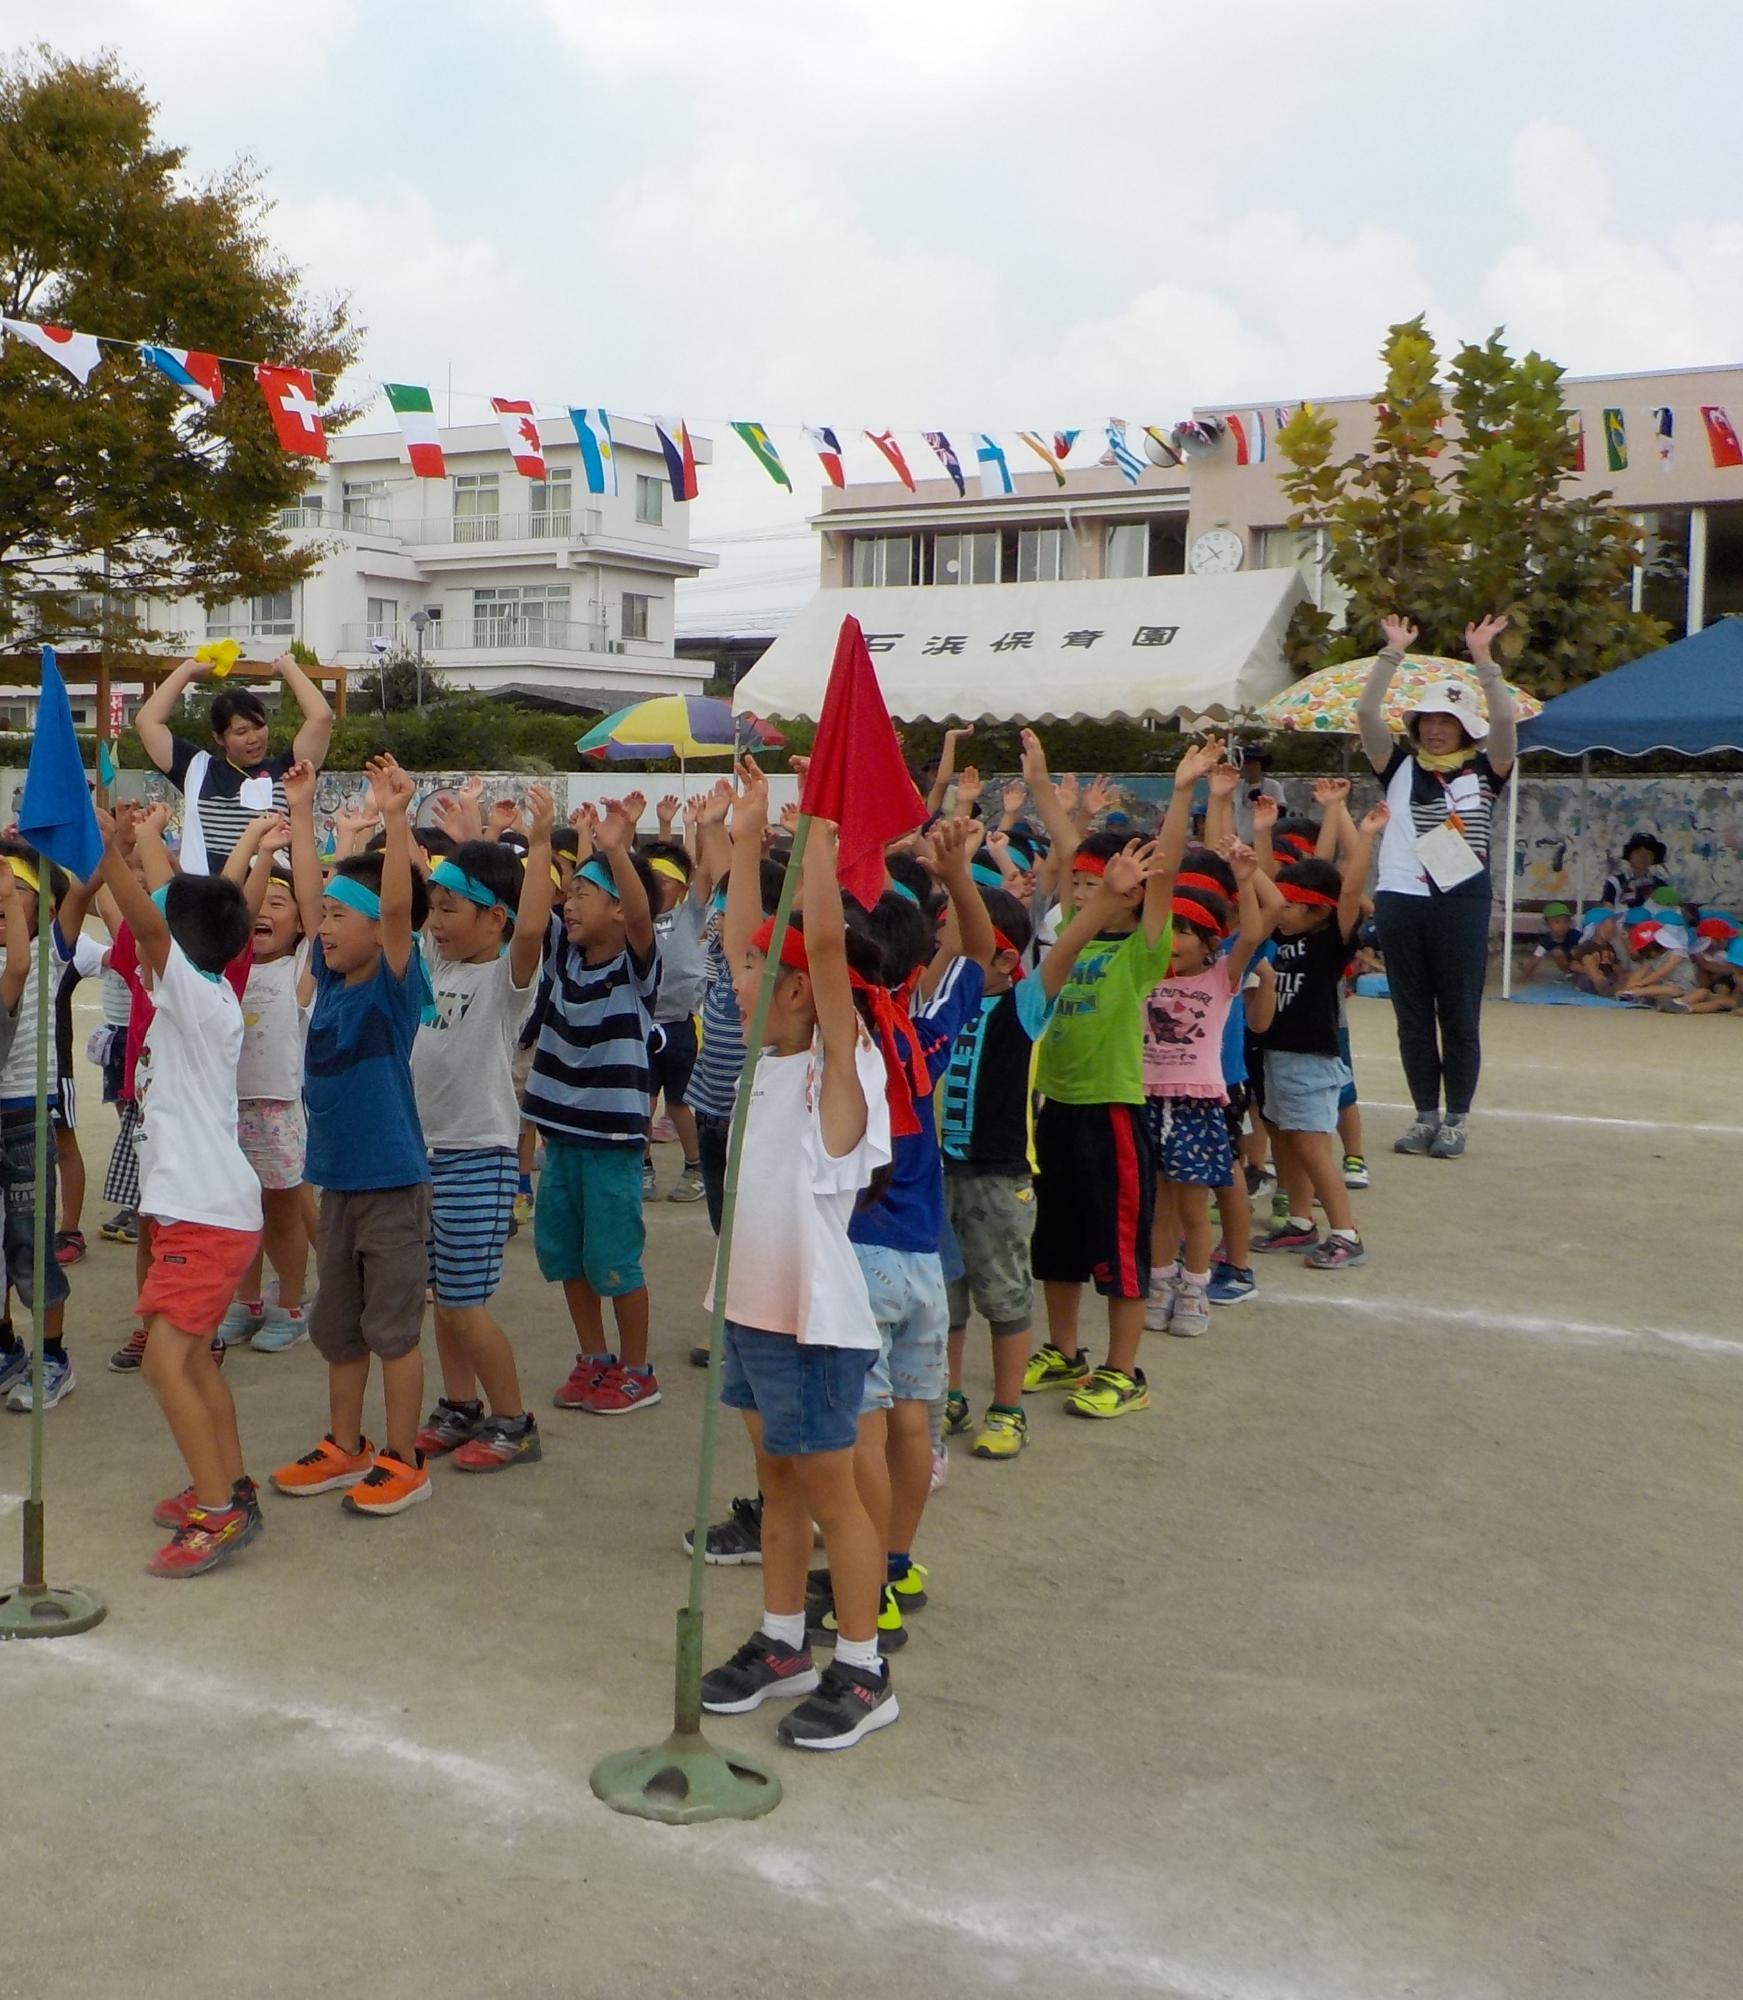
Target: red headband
{"points": [[1315, 899], [1196, 913], [1208, 883], [1004, 944], [1088, 864], [903, 1080], [1299, 842]]}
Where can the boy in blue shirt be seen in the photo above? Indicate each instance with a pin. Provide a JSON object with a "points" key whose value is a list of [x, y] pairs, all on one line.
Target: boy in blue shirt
{"points": [[366, 1148]]}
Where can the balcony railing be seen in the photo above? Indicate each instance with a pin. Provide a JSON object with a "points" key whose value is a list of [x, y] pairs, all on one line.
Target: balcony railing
{"points": [[349, 520], [278, 630], [485, 635], [545, 524]]}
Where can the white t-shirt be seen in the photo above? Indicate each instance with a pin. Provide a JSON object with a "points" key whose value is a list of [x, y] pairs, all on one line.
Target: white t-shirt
{"points": [[190, 1166], [793, 1269], [462, 1070], [273, 1027]]}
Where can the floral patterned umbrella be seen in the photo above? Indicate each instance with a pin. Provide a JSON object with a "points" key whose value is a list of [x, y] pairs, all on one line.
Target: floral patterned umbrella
{"points": [[1325, 703]]}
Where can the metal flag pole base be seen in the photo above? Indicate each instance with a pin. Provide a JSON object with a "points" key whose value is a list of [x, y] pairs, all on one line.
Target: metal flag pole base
{"points": [[685, 1781], [38, 1612]]}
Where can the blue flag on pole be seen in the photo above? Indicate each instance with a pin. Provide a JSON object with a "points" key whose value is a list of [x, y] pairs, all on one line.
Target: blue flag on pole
{"points": [[57, 816]]}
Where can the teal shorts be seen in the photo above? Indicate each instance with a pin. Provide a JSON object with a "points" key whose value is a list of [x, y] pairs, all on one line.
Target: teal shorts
{"points": [[588, 1222]]}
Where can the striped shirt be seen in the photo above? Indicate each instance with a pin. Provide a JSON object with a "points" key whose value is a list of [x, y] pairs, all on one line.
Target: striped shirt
{"points": [[1423, 800], [591, 1080], [720, 1059], [224, 817]]}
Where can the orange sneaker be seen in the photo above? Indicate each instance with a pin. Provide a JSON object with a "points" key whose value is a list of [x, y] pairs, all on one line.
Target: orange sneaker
{"points": [[324, 1470], [390, 1486]]}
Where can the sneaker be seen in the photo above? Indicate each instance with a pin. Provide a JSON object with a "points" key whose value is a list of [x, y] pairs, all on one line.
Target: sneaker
{"points": [[1289, 1235], [1049, 1369], [956, 1417], [122, 1227], [910, 1591], [390, 1486], [174, 1511], [761, 1668], [205, 1540], [1230, 1283], [1449, 1141], [280, 1327], [1335, 1253], [1259, 1183], [588, 1369], [1417, 1138], [448, 1426], [737, 1539], [1191, 1311], [130, 1359], [688, 1186], [15, 1366], [663, 1132], [1356, 1171], [620, 1390], [501, 1442], [848, 1704], [58, 1381], [820, 1625], [649, 1191], [1110, 1393], [324, 1469], [242, 1319], [699, 1357], [1003, 1433], [1159, 1306], [523, 1209], [69, 1246]]}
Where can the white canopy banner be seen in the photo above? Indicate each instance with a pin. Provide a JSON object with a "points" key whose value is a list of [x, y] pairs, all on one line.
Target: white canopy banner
{"points": [[1160, 646]]}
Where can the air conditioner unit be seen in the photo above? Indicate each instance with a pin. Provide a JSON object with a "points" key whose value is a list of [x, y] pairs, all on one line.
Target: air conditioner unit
{"points": [[614, 645]]}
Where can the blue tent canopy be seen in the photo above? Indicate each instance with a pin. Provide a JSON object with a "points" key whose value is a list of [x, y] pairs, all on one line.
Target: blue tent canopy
{"points": [[1686, 697]]}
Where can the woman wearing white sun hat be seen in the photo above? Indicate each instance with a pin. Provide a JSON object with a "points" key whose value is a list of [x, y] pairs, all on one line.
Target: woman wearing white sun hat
{"points": [[1431, 902]]}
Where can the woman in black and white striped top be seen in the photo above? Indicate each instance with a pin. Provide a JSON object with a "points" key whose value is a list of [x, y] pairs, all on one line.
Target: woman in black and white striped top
{"points": [[1442, 781]]}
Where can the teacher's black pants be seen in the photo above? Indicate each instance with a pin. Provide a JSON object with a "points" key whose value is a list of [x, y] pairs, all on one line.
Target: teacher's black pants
{"points": [[1437, 952]]}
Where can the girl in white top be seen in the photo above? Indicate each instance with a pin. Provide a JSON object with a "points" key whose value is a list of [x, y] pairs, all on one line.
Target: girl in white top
{"points": [[271, 1128]]}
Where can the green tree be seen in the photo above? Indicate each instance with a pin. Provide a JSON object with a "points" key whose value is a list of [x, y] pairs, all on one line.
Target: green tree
{"points": [[1447, 521], [397, 683], [127, 486]]}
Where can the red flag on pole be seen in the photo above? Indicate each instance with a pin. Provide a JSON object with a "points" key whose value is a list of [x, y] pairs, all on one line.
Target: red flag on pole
{"points": [[857, 777]]}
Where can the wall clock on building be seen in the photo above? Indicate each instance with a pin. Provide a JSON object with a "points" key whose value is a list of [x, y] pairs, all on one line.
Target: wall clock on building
{"points": [[1217, 552]]}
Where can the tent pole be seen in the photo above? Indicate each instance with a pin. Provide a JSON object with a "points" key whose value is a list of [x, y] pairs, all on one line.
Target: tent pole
{"points": [[1582, 877], [1507, 900]]}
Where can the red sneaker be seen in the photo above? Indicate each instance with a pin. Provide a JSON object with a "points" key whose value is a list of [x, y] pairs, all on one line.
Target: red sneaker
{"points": [[620, 1390], [173, 1512], [588, 1369], [205, 1540]]}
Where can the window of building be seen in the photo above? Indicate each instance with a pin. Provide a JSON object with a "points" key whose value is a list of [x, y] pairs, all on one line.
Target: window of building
{"points": [[365, 503], [650, 499], [1046, 555], [548, 501], [383, 618], [528, 614], [1305, 549], [1663, 576], [1723, 596], [965, 558], [477, 503], [1156, 547], [305, 514], [882, 559], [635, 615]]}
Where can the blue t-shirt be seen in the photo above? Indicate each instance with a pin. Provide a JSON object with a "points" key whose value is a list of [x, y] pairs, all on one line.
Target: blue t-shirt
{"points": [[357, 1080], [1235, 1027], [910, 1213]]}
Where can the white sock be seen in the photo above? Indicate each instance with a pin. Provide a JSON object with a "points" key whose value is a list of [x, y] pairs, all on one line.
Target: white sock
{"points": [[1164, 1274], [785, 1627], [1301, 1222], [1198, 1278], [1349, 1235], [860, 1653]]}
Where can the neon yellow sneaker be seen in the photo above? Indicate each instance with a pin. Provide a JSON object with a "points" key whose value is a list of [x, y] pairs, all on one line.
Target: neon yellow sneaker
{"points": [[1049, 1369], [956, 1417], [1003, 1435], [910, 1593], [1109, 1393], [523, 1209]]}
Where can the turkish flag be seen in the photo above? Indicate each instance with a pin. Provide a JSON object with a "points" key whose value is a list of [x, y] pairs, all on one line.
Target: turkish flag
{"points": [[857, 777], [1722, 438], [296, 411]]}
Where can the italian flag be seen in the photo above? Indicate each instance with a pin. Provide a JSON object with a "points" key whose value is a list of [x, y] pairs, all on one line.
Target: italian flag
{"points": [[417, 425]]}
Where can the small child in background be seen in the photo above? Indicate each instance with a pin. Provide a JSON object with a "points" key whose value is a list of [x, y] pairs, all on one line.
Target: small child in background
{"points": [[1664, 975], [680, 922], [463, 1071], [1552, 957]]}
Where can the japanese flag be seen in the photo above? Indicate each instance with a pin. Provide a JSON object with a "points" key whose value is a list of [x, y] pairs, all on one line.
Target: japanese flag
{"points": [[296, 415], [77, 353]]}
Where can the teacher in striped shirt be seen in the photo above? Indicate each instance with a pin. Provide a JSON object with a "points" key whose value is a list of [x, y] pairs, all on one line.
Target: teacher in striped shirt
{"points": [[1432, 898], [226, 786]]}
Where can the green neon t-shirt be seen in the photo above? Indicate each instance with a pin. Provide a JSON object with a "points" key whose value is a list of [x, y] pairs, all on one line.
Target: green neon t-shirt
{"points": [[1093, 1050]]}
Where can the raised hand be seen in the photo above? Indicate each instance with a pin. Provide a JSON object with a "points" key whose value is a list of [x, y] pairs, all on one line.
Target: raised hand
{"points": [[617, 825], [1225, 781], [636, 805], [155, 819], [1199, 761], [1482, 634], [1266, 810], [391, 787], [541, 811], [126, 827], [273, 833], [1035, 773], [1068, 791], [790, 816], [1375, 818], [1400, 635], [503, 816], [1132, 867], [1330, 791], [299, 783], [968, 788], [752, 813], [1015, 796], [1240, 858], [693, 811], [1100, 796], [717, 803], [667, 811], [953, 842]]}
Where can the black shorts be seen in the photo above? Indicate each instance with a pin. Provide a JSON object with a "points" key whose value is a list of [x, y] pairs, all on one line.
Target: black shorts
{"points": [[1095, 1196], [1236, 1113], [672, 1052]]}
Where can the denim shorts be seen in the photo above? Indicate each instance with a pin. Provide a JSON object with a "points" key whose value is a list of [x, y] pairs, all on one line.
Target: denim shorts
{"points": [[906, 1289], [1302, 1092], [807, 1396]]}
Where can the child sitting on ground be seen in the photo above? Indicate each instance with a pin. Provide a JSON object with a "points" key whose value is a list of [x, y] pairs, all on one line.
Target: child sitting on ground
{"points": [[1664, 975], [1552, 957], [366, 1151], [463, 1072]]}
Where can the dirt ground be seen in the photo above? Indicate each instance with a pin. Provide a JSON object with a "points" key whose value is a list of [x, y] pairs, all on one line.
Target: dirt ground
{"points": [[1397, 1650]]}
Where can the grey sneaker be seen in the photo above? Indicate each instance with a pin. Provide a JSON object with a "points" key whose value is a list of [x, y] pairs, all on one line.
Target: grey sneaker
{"points": [[1191, 1311], [689, 1186], [649, 1191], [1449, 1141], [1420, 1138]]}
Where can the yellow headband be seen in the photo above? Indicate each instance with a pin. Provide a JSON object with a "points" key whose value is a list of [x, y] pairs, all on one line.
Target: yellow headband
{"points": [[556, 877], [22, 871], [670, 869]]}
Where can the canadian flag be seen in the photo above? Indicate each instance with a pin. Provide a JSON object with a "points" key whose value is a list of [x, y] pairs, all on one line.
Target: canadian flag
{"points": [[296, 414], [521, 434], [77, 353]]}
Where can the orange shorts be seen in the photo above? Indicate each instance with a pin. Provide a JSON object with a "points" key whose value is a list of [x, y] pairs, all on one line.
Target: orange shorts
{"points": [[195, 1269]]}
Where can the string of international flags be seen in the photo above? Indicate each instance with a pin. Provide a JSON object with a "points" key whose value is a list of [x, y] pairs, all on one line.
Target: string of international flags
{"points": [[299, 424]]}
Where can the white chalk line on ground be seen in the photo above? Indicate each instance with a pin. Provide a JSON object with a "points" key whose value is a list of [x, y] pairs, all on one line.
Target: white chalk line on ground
{"points": [[1482, 1116], [1404, 1311], [804, 1874]]}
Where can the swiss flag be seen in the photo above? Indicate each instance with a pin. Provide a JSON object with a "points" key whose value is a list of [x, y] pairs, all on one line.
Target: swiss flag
{"points": [[857, 777], [296, 413]]}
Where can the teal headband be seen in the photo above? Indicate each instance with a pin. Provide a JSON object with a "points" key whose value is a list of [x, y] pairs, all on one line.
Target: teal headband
{"points": [[986, 874], [447, 875], [355, 895], [901, 889], [600, 876]]}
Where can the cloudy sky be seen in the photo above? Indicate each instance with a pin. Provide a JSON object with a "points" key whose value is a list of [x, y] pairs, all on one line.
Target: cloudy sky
{"points": [[977, 213]]}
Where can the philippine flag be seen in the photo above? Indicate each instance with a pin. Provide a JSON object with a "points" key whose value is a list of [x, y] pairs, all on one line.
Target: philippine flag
{"points": [[680, 455], [196, 375]]}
